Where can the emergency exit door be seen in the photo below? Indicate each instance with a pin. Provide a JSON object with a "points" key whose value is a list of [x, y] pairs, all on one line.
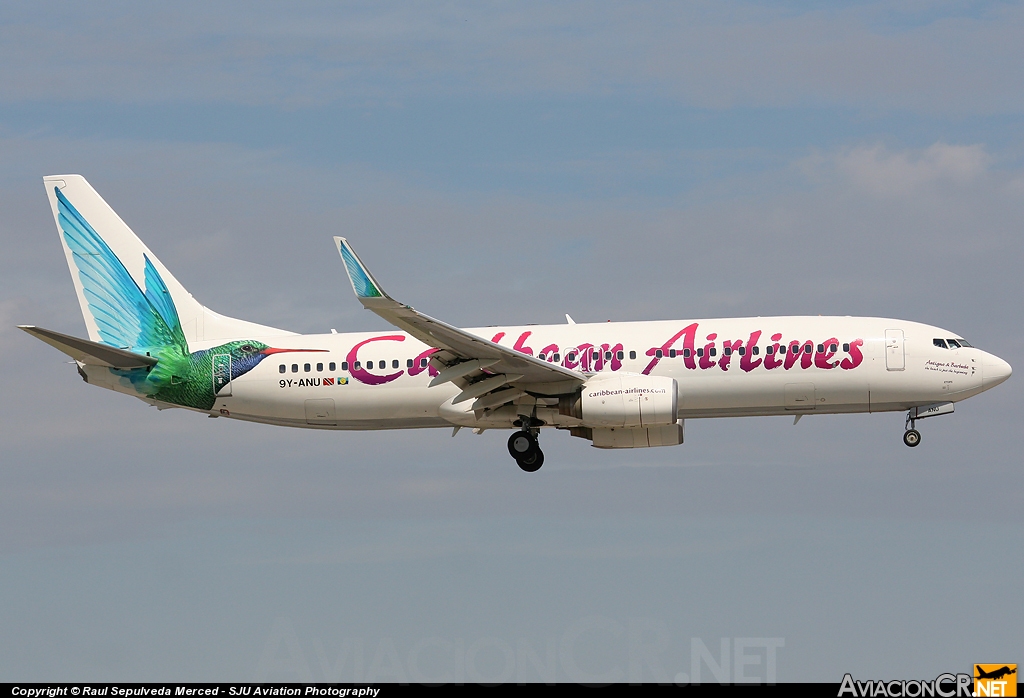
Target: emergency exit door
{"points": [[895, 357]]}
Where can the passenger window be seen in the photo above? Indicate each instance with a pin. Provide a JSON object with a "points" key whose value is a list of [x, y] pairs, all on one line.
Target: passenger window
{"points": [[423, 363], [542, 356], [700, 351], [743, 351], [408, 363], [356, 366], [671, 353], [382, 364], [394, 364], [821, 348], [782, 349], [595, 355], [319, 367], [808, 348], [332, 366], [619, 355], [658, 354], [557, 357], [281, 368], [307, 368], [846, 346], [953, 344], [728, 351], [632, 354], [570, 356], [295, 368], [833, 348], [607, 356], [713, 351], [344, 365], [686, 353], [756, 350]]}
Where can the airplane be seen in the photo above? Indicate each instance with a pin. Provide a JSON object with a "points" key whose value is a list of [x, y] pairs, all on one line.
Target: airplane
{"points": [[614, 384], [995, 674]]}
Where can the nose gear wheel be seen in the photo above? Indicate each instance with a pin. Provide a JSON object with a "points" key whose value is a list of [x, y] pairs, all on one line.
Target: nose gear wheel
{"points": [[911, 437]]}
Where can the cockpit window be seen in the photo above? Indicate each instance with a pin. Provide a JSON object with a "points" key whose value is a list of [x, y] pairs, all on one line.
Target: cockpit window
{"points": [[940, 343], [964, 343], [953, 344]]}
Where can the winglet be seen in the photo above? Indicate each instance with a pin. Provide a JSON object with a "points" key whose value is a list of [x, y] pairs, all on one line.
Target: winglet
{"points": [[363, 282]]}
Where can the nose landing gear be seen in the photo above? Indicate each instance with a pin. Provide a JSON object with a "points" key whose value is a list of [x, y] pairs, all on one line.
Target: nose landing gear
{"points": [[523, 446], [911, 437]]}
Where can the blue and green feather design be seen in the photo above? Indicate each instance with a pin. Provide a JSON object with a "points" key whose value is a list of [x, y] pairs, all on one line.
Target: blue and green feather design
{"points": [[362, 283], [146, 322]]}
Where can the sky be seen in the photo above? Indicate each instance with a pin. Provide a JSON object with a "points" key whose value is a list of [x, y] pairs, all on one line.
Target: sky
{"points": [[507, 163]]}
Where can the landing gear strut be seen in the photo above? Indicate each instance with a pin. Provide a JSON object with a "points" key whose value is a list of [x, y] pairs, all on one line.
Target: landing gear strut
{"points": [[523, 446], [911, 437]]}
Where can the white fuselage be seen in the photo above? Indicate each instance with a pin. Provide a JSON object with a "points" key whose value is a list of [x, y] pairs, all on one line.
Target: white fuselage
{"points": [[723, 368]]}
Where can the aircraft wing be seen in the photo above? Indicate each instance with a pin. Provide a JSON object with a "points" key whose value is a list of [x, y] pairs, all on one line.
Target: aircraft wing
{"points": [[481, 367]]}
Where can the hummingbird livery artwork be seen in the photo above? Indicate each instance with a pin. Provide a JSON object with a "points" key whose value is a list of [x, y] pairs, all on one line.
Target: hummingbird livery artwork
{"points": [[613, 384], [146, 322]]}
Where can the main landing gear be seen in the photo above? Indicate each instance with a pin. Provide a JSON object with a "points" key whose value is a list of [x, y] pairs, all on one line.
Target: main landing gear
{"points": [[523, 446], [911, 437]]}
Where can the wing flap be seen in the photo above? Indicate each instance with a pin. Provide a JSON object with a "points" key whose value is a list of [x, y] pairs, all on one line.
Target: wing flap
{"points": [[484, 386]]}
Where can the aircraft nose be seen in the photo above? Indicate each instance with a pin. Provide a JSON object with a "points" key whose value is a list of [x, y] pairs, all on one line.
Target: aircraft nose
{"points": [[996, 370]]}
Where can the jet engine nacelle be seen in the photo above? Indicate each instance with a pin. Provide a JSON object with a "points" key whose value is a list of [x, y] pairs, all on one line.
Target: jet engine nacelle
{"points": [[624, 401]]}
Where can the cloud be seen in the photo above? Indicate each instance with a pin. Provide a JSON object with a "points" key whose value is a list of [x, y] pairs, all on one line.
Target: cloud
{"points": [[886, 173], [704, 54]]}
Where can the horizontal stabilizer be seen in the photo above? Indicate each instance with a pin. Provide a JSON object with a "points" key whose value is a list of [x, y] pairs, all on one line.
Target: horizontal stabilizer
{"points": [[90, 353]]}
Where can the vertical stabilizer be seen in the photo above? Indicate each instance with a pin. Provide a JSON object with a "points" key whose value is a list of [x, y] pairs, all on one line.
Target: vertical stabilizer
{"points": [[129, 299]]}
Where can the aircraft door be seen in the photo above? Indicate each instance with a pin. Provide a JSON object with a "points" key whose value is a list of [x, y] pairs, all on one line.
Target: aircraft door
{"points": [[222, 375], [895, 358], [321, 411], [800, 396]]}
